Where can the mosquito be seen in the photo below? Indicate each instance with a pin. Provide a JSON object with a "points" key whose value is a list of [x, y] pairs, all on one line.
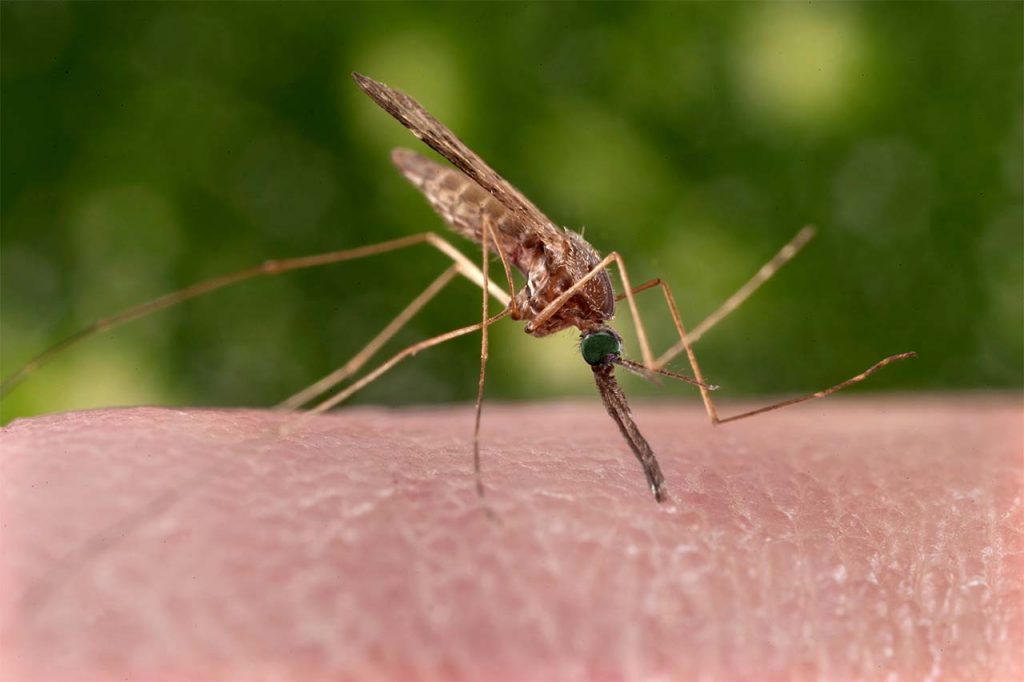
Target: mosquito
{"points": [[568, 285]]}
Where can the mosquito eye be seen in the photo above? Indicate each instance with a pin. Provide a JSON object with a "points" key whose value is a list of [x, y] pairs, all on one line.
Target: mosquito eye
{"points": [[595, 347]]}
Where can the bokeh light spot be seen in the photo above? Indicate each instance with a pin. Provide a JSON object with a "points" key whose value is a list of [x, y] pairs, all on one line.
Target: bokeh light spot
{"points": [[800, 64], [126, 241], [35, 35], [285, 185], [604, 172], [871, 189]]}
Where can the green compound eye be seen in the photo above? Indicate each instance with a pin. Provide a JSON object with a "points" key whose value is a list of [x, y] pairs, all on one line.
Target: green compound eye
{"points": [[596, 346]]}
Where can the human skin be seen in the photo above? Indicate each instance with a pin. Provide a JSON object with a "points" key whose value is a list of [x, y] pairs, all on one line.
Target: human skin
{"points": [[847, 539]]}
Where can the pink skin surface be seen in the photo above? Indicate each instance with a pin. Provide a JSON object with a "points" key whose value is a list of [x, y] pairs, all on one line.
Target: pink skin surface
{"points": [[849, 539]]}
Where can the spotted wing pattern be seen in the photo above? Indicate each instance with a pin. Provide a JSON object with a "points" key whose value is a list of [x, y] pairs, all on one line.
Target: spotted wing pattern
{"points": [[438, 137], [552, 259], [465, 205]]}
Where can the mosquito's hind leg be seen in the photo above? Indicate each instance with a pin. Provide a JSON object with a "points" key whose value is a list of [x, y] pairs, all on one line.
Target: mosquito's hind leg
{"points": [[480, 277], [270, 267]]}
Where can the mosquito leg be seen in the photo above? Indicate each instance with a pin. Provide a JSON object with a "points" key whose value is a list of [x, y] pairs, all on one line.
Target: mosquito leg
{"points": [[485, 225], [641, 333], [709, 405], [486, 229], [785, 254], [355, 364], [270, 267], [352, 366], [826, 392], [415, 348], [677, 320], [360, 359], [613, 257]]}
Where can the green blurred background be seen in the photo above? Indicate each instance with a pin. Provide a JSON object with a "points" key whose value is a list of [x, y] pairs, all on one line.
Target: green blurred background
{"points": [[147, 146]]}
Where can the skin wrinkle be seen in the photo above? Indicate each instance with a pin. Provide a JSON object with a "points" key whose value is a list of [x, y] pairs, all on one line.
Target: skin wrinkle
{"points": [[765, 514]]}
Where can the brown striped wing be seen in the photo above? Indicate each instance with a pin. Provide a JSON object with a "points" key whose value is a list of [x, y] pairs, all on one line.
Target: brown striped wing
{"points": [[438, 137], [465, 206]]}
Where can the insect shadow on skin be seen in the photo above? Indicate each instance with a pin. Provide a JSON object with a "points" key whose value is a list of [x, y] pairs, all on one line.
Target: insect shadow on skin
{"points": [[567, 285]]}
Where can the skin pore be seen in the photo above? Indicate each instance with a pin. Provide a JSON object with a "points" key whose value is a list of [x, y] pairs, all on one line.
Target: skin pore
{"points": [[863, 538]]}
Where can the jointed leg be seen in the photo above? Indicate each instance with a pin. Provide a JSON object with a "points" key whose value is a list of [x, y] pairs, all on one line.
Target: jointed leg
{"points": [[352, 366], [785, 254], [354, 388], [826, 392], [684, 340], [613, 257], [270, 267], [486, 229], [709, 405], [461, 266], [485, 234]]}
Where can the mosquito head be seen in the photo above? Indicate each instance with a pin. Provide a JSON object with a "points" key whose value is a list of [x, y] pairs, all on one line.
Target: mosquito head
{"points": [[600, 347]]}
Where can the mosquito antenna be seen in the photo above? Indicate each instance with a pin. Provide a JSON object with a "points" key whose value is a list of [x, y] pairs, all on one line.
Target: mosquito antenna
{"points": [[615, 402], [649, 373]]}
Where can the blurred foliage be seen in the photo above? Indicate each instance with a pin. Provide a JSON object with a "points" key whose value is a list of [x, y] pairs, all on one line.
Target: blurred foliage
{"points": [[148, 146]]}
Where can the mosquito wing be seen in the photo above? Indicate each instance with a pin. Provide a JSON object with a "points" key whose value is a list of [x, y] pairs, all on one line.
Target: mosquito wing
{"points": [[438, 137]]}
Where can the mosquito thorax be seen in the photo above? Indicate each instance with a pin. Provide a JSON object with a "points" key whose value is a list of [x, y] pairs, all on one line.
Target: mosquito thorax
{"points": [[596, 346]]}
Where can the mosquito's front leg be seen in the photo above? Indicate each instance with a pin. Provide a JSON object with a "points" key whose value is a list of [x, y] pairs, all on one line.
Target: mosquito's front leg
{"points": [[553, 307], [684, 339], [764, 273], [709, 404]]}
